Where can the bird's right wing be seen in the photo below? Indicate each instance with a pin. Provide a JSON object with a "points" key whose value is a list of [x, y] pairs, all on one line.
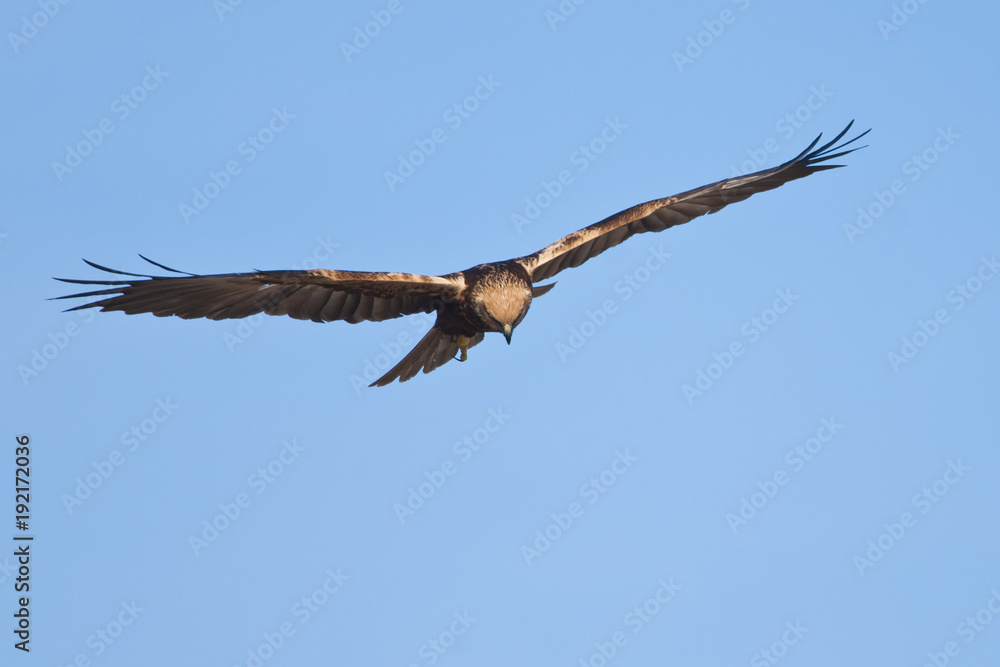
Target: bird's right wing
{"points": [[318, 295], [659, 214]]}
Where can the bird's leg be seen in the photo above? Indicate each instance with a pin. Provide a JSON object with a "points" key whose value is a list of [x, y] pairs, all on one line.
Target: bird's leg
{"points": [[462, 343]]}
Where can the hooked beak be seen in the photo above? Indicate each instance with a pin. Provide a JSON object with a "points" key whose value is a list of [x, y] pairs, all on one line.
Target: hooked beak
{"points": [[507, 331]]}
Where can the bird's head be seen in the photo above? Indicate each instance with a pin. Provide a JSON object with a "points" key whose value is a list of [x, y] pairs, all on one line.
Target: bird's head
{"points": [[502, 307]]}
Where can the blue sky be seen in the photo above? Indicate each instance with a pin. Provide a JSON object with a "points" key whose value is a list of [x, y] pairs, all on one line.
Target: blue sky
{"points": [[768, 436]]}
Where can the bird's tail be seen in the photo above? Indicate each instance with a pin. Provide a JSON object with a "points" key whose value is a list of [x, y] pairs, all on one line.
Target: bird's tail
{"points": [[434, 350]]}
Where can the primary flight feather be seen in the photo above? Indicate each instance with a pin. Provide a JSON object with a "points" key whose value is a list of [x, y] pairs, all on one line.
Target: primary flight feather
{"points": [[492, 297]]}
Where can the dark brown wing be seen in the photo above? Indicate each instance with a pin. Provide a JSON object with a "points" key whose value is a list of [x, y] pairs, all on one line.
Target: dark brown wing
{"points": [[657, 215], [319, 295]]}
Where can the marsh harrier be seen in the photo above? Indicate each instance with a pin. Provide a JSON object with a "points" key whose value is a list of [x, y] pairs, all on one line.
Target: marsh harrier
{"points": [[491, 297]]}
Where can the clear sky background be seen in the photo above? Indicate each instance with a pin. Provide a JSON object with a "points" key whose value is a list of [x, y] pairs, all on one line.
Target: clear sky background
{"points": [[617, 486]]}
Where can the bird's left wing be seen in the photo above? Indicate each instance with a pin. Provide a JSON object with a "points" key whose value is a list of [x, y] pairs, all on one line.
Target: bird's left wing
{"points": [[659, 214], [318, 295]]}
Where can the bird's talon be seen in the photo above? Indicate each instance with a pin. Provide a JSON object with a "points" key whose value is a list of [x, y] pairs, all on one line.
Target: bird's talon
{"points": [[462, 343]]}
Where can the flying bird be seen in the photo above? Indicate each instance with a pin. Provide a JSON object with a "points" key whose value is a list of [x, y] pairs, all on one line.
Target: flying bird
{"points": [[492, 297]]}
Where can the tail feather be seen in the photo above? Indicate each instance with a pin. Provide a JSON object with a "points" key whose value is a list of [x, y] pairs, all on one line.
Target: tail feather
{"points": [[433, 351]]}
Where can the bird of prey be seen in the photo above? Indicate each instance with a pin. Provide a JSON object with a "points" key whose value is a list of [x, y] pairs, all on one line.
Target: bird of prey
{"points": [[492, 297]]}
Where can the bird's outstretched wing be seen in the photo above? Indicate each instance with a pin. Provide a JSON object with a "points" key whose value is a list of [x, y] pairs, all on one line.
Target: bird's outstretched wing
{"points": [[318, 295], [659, 214]]}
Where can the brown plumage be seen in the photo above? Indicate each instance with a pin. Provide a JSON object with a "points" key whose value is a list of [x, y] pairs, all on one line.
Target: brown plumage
{"points": [[490, 297]]}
